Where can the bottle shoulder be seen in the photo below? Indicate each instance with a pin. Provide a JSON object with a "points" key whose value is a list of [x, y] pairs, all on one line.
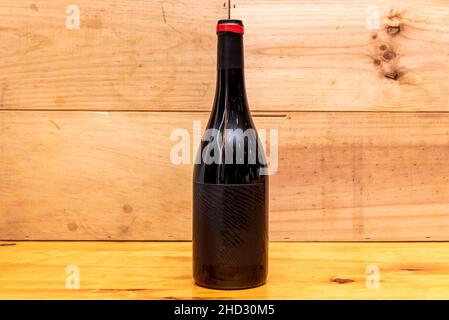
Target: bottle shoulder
{"points": [[230, 151]]}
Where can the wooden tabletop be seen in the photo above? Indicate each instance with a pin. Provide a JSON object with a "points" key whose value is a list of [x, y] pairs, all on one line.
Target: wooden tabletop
{"points": [[162, 270]]}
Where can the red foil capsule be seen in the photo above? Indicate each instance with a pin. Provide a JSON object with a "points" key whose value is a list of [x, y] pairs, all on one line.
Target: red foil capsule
{"points": [[230, 27]]}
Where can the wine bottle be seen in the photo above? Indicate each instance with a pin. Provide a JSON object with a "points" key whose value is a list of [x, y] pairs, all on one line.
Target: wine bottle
{"points": [[230, 187]]}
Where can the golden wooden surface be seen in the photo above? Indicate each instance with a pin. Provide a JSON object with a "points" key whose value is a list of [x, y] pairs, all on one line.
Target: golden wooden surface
{"points": [[37, 270], [321, 55], [342, 176], [126, 55]]}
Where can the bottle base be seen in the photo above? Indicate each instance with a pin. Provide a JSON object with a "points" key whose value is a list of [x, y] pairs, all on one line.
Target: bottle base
{"points": [[225, 277], [229, 287]]}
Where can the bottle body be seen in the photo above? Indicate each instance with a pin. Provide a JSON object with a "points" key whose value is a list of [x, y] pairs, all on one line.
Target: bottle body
{"points": [[230, 235], [230, 189]]}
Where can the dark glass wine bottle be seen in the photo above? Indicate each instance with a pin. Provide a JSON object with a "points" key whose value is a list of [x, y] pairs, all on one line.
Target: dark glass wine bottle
{"points": [[230, 187]]}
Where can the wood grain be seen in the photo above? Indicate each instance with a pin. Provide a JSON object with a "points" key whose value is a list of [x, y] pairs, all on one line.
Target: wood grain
{"points": [[139, 55], [37, 270], [127, 55], [108, 176], [321, 55]]}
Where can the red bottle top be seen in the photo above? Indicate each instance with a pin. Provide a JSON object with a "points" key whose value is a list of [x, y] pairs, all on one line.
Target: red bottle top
{"points": [[228, 25]]}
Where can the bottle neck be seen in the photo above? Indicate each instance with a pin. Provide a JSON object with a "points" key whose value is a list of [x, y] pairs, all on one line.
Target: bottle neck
{"points": [[230, 94], [230, 77], [230, 51]]}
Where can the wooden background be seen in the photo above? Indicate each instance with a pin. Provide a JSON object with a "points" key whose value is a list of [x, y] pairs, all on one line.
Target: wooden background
{"points": [[86, 116]]}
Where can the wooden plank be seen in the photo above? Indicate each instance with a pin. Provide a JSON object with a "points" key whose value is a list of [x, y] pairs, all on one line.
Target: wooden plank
{"points": [[31, 270], [82, 175], [321, 55], [127, 55], [108, 176], [139, 55]]}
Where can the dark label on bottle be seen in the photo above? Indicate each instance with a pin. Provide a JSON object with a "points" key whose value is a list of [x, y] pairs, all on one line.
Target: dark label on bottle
{"points": [[230, 224]]}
